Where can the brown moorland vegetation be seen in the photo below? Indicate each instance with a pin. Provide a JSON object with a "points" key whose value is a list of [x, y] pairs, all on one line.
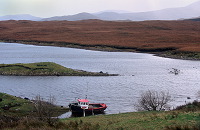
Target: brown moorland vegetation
{"points": [[145, 36]]}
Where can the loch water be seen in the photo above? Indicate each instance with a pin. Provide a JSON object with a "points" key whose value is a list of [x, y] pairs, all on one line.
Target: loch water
{"points": [[138, 73]]}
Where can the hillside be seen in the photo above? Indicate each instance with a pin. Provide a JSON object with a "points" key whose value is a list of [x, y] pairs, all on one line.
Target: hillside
{"points": [[80, 16], [194, 19], [19, 17], [146, 36], [186, 12]]}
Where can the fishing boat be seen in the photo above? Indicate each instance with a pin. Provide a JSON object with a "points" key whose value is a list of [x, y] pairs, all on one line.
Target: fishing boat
{"points": [[84, 106]]}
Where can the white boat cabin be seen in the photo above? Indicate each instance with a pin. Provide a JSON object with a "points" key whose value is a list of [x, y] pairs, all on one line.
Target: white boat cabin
{"points": [[83, 103]]}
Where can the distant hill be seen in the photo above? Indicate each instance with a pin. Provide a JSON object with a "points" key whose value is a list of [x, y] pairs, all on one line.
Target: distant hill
{"points": [[187, 12], [194, 19], [190, 11], [20, 17], [80, 16], [116, 11]]}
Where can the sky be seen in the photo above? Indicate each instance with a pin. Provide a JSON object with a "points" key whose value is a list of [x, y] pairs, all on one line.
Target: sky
{"points": [[49, 8]]}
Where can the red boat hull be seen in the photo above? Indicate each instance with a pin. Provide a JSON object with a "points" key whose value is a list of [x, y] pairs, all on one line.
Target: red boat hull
{"points": [[93, 108]]}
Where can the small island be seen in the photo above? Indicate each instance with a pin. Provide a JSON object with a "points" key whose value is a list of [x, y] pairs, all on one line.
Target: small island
{"points": [[44, 69]]}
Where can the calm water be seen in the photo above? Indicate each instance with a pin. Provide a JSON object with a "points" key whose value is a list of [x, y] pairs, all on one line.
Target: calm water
{"points": [[138, 73]]}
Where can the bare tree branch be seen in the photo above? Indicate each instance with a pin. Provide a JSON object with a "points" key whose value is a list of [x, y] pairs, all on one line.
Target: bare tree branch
{"points": [[153, 101], [45, 109]]}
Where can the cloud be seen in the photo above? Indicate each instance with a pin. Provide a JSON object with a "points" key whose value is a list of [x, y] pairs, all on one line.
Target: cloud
{"points": [[37, 7], [47, 8]]}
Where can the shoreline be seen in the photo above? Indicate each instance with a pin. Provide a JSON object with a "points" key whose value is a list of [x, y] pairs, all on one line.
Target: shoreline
{"points": [[171, 53]]}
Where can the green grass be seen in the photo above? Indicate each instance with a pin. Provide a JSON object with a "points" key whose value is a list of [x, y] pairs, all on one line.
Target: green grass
{"points": [[43, 69], [18, 113], [14, 106], [19, 107], [182, 118], [183, 55], [139, 120]]}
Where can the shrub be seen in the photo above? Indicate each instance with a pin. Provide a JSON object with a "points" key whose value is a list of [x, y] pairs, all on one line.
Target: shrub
{"points": [[153, 101]]}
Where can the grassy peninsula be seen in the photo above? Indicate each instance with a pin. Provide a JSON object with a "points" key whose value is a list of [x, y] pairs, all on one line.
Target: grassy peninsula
{"points": [[44, 69]]}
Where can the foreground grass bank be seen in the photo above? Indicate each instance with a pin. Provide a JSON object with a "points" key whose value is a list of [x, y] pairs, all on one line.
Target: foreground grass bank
{"points": [[173, 120], [138, 121], [17, 113], [21, 116], [14, 106], [19, 107], [44, 69]]}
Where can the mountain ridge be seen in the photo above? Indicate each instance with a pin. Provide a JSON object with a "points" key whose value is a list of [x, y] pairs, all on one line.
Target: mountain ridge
{"points": [[20, 17], [76, 17], [187, 12]]}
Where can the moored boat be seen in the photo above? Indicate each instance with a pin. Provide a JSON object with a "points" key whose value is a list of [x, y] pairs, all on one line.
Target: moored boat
{"points": [[83, 105]]}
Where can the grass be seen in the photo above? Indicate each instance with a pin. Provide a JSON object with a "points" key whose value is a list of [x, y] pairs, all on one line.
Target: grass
{"points": [[182, 118], [43, 69], [140, 120], [125, 121], [22, 113], [14, 106], [19, 107], [189, 55]]}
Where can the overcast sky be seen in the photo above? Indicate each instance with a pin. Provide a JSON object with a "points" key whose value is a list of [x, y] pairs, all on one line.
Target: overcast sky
{"points": [[48, 8]]}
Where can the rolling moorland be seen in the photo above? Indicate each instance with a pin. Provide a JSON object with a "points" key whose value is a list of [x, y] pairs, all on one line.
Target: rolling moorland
{"points": [[175, 39]]}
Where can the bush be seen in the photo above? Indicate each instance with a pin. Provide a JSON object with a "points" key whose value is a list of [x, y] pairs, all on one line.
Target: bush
{"points": [[45, 110], [153, 101]]}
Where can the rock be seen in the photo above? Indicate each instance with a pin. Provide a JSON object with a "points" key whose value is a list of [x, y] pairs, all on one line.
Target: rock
{"points": [[26, 98], [188, 97]]}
